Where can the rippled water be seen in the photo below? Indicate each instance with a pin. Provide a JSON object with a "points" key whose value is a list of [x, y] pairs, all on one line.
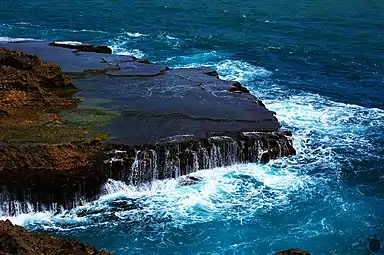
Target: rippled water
{"points": [[319, 65]]}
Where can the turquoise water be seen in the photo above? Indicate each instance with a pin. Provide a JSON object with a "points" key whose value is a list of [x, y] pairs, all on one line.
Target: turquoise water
{"points": [[318, 64]]}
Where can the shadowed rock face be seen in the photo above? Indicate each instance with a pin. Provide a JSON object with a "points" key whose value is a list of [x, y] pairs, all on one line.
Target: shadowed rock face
{"points": [[165, 123], [18, 241]]}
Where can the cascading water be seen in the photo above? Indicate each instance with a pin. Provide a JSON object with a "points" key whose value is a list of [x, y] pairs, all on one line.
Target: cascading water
{"points": [[175, 158], [171, 158]]}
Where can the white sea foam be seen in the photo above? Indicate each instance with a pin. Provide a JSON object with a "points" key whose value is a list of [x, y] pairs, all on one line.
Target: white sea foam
{"points": [[11, 39], [135, 34], [215, 197], [75, 43], [120, 45], [234, 70], [169, 40], [121, 50]]}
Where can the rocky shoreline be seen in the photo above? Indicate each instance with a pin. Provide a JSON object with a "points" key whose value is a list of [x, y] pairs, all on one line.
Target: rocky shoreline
{"points": [[60, 150], [74, 116], [67, 128]]}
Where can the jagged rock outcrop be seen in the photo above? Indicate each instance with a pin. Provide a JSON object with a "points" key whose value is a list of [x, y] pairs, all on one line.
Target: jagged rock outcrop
{"points": [[293, 252], [16, 240], [137, 122], [85, 47], [25, 82]]}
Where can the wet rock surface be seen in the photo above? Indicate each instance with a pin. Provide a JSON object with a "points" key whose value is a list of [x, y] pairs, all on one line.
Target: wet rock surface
{"points": [[156, 122], [16, 240], [190, 180], [86, 47]]}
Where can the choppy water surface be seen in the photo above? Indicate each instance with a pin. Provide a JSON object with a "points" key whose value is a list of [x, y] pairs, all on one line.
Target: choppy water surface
{"points": [[318, 64]]}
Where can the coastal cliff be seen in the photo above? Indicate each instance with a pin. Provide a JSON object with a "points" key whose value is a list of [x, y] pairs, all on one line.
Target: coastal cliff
{"points": [[67, 128]]}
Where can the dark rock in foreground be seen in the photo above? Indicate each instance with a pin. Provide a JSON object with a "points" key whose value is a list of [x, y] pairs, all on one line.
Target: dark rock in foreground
{"points": [[293, 252], [16, 240], [85, 47], [158, 123]]}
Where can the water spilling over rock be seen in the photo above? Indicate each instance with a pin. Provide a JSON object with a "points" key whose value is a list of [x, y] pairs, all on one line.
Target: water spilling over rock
{"points": [[138, 122]]}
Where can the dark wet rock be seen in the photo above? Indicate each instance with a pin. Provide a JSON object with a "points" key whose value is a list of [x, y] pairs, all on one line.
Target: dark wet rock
{"points": [[238, 88], [190, 180], [212, 73], [180, 102], [293, 252], [374, 244], [135, 68], [260, 103], [86, 47], [69, 60], [19, 241], [286, 132], [123, 205]]}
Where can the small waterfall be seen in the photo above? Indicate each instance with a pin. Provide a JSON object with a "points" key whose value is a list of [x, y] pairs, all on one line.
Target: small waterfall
{"points": [[182, 155], [168, 158]]}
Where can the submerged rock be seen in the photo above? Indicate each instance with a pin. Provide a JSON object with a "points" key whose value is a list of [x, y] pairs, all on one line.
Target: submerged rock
{"points": [[190, 180], [293, 252], [18, 241]]}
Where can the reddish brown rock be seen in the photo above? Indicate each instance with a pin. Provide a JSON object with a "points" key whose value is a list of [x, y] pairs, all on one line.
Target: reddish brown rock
{"points": [[18, 241], [27, 82], [51, 173], [293, 251]]}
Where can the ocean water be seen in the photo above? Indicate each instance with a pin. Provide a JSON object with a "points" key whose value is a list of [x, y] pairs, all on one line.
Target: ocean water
{"points": [[318, 64]]}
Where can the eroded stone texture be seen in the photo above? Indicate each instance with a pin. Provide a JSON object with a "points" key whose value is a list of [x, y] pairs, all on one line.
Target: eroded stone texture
{"points": [[26, 80], [49, 175]]}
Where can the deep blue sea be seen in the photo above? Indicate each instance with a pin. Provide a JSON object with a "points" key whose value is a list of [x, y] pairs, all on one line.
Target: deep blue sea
{"points": [[318, 64]]}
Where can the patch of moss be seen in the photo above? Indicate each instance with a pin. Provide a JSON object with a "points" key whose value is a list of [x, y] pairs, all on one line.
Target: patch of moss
{"points": [[89, 117]]}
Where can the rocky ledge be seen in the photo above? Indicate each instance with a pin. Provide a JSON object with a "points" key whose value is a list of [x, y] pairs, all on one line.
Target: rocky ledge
{"points": [[18, 241], [73, 116]]}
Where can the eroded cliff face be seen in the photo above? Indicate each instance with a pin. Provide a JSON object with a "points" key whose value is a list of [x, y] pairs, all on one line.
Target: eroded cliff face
{"points": [[18, 241], [136, 122], [25, 83]]}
